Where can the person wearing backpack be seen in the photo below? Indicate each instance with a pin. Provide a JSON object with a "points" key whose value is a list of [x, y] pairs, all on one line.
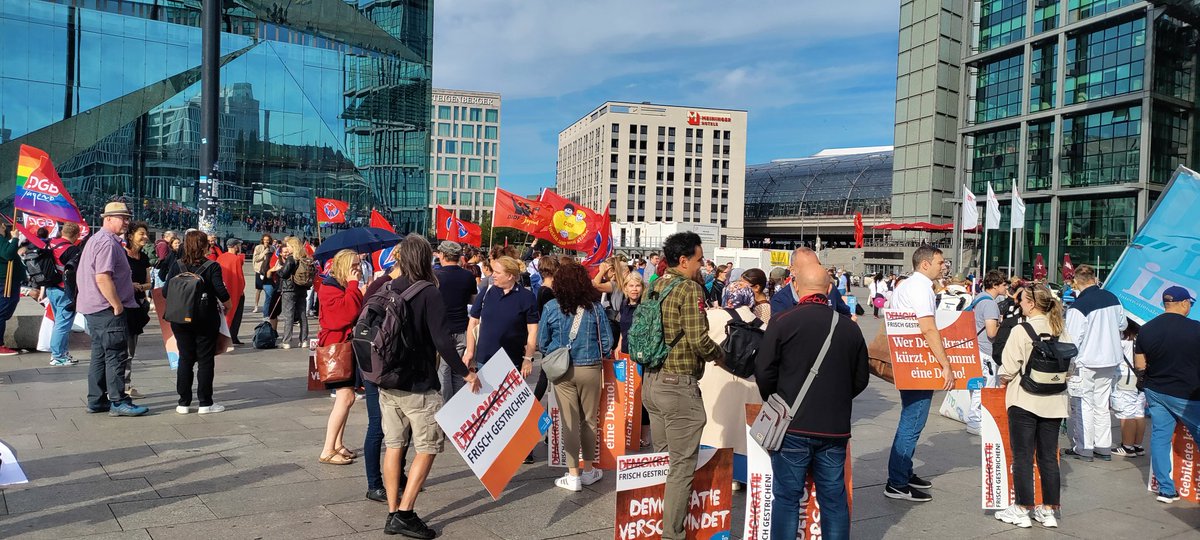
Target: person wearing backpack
{"points": [[818, 434], [62, 296], [672, 317], [1034, 418], [575, 320], [196, 282], [295, 278]]}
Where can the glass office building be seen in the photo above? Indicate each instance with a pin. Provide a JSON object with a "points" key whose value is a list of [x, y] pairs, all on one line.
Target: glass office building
{"points": [[319, 98], [1089, 105]]}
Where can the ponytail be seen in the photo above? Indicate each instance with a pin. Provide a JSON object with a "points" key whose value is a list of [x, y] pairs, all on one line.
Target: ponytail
{"points": [[1046, 302]]}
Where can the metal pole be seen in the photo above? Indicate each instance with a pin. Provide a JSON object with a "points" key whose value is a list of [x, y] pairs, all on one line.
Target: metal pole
{"points": [[210, 88], [1011, 274], [983, 256]]}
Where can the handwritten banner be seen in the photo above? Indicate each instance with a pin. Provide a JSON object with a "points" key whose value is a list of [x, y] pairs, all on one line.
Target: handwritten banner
{"points": [[1184, 473], [641, 483], [913, 363], [495, 429]]}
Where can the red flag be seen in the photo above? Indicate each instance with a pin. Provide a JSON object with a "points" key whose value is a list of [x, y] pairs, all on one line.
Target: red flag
{"points": [[449, 227], [39, 189], [521, 213], [572, 226], [331, 210], [602, 247], [377, 220], [858, 230], [29, 235]]}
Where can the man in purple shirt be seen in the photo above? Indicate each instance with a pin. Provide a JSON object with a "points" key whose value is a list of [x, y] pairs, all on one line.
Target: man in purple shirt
{"points": [[105, 284]]}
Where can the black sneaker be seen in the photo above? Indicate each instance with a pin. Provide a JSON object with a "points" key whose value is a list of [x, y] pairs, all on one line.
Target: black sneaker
{"points": [[1140, 451], [907, 493], [411, 527], [1070, 452], [919, 483], [529, 459], [377, 495], [1102, 457]]}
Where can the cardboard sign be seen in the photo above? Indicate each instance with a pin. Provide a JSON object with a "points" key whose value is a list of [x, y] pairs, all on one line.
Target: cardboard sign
{"points": [[620, 408], [314, 375], [168, 335], [1184, 453], [760, 495], [999, 492], [495, 429], [913, 363], [641, 483]]}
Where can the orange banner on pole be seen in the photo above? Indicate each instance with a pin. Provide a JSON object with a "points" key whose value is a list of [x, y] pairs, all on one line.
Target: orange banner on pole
{"points": [[521, 213], [914, 365]]}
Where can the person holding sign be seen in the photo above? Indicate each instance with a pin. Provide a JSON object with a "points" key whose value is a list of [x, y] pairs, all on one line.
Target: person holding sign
{"points": [[916, 294], [818, 434], [1033, 419]]}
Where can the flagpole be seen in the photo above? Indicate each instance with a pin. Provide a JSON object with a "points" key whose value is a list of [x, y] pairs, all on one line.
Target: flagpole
{"points": [[983, 255], [8, 277]]}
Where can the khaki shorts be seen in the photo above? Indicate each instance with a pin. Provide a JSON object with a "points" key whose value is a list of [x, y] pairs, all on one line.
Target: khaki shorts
{"points": [[402, 411]]}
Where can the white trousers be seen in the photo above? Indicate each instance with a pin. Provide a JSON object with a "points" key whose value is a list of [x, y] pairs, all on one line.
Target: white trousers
{"points": [[1090, 419]]}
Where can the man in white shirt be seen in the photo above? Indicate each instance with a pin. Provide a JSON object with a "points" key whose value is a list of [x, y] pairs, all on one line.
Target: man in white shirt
{"points": [[1096, 321], [916, 294]]}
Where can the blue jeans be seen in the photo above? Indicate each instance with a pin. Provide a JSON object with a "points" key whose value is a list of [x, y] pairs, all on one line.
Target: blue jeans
{"points": [[269, 293], [1164, 412], [790, 465], [374, 439], [913, 415], [64, 319]]}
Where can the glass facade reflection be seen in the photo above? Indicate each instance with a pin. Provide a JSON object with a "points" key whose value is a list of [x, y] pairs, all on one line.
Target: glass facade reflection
{"points": [[994, 157], [998, 89], [837, 185], [1106, 62], [321, 99], [1000, 22], [1097, 231], [1102, 148]]}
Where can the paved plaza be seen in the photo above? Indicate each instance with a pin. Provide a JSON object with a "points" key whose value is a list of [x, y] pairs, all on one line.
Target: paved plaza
{"points": [[252, 471]]}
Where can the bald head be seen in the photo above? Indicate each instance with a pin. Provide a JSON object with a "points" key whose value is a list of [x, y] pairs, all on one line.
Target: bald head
{"points": [[811, 279], [802, 257]]}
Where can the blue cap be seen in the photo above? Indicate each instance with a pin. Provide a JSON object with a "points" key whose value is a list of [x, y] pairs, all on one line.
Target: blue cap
{"points": [[1176, 294]]}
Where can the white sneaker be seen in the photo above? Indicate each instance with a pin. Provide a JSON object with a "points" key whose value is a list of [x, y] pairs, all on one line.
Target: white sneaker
{"points": [[286, 346], [569, 483], [591, 477], [1015, 515], [1045, 516], [214, 408], [181, 409]]}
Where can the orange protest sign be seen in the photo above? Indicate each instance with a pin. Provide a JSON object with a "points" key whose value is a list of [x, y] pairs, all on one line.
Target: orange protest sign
{"points": [[996, 454], [1184, 472], [913, 363]]}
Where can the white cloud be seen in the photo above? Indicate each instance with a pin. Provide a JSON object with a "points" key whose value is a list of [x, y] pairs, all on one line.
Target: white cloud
{"points": [[543, 48]]}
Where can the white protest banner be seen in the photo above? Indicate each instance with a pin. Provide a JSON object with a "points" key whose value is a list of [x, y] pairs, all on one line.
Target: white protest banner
{"points": [[641, 483], [10, 470], [495, 429]]}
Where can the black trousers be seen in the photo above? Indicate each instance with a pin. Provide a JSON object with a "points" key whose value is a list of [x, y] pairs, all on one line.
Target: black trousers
{"points": [[197, 350], [237, 319], [1031, 434]]}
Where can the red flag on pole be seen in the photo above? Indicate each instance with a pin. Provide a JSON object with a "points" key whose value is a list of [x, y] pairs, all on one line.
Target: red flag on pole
{"points": [[572, 225], [377, 220], [449, 227], [858, 230], [521, 213], [602, 246], [331, 210]]}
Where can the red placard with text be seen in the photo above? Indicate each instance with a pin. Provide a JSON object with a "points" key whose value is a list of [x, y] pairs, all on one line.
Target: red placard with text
{"points": [[641, 483]]}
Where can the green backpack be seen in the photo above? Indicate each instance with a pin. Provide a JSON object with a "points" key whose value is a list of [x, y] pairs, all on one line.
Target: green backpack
{"points": [[647, 345]]}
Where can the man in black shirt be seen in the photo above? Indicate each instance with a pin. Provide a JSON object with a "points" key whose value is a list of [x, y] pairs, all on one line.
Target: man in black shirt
{"points": [[1166, 351], [457, 286]]}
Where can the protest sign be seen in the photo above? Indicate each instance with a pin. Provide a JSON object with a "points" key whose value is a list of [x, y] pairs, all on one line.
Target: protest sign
{"points": [[914, 365], [160, 307], [1165, 252], [620, 411], [10, 469], [1184, 473], [996, 454], [760, 495], [496, 428], [641, 483], [314, 375], [629, 386]]}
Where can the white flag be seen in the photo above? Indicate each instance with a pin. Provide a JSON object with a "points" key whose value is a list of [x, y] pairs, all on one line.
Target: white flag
{"points": [[1018, 210], [970, 212], [993, 209]]}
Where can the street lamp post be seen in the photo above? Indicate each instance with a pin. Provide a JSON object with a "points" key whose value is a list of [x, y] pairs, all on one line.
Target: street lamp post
{"points": [[210, 84]]}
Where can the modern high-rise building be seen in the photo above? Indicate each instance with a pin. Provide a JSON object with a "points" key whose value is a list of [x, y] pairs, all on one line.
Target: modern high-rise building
{"points": [[318, 99], [465, 151], [658, 163], [1089, 105]]}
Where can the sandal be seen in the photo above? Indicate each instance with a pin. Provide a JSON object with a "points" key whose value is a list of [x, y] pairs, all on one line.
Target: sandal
{"points": [[346, 452], [335, 459]]}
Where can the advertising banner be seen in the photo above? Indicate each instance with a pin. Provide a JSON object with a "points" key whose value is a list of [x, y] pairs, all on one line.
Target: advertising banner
{"points": [[495, 429], [913, 363], [760, 495], [996, 454], [641, 483], [620, 412], [1164, 252], [1184, 473]]}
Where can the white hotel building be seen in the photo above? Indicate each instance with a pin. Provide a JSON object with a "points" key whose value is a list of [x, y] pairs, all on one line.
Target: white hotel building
{"points": [[658, 163], [464, 160]]}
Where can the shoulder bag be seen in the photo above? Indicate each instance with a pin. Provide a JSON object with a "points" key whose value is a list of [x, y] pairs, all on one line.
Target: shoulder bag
{"points": [[776, 415], [556, 364], [335, 362]]}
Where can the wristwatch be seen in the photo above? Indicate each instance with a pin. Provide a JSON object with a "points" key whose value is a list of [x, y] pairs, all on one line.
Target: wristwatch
{"points": [[527, 358]]}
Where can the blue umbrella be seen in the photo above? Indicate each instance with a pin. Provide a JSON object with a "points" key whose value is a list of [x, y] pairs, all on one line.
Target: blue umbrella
{"points": [[358, 239]]}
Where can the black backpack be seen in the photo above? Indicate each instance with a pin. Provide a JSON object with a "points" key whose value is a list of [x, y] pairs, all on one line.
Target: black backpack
{"points": [[384, 337], [1048, 365], [1002, 334], [265, 336], [41, 267], [187, 295], [741, 344]]}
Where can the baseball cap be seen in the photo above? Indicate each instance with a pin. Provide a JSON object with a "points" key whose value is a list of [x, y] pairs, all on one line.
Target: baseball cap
{"points": [[450, 248], [1177, 294]]}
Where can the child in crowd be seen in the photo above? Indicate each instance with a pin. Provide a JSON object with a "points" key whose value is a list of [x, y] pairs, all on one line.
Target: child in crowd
{"points": [[1127, 402]]}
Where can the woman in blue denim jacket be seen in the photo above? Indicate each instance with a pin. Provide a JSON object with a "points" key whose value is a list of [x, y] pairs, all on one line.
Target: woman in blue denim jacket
{"points": [[578, 392]]}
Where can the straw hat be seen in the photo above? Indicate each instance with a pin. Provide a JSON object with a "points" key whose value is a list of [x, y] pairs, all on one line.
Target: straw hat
{"points": [[116, 209]]}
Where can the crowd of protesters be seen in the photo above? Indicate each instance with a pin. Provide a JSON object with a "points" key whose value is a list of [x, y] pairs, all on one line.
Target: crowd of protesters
{"points": [[527, 307]]}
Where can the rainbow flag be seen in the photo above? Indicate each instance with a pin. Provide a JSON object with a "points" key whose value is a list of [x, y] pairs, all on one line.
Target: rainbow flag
{"points": [[39, 189]]}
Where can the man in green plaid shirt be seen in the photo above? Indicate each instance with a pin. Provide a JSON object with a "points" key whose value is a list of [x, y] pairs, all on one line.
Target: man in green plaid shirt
{"points": [[671, 394]]}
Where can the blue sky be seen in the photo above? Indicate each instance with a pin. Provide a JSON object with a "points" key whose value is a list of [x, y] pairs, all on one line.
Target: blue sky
{"points": [[813, 74]]}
